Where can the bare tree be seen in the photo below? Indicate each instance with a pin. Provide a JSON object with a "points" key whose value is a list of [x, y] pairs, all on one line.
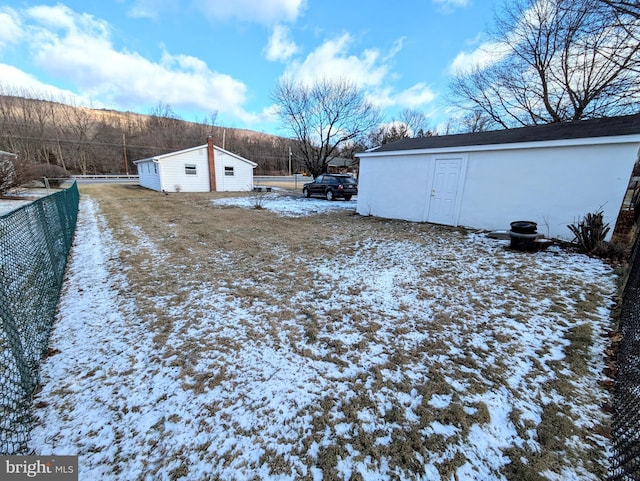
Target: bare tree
{"points": [[410, 123], [624, 7], [208, 123], [627, 14], [79, 129], [7, 174], [27, 126], [415, 121], [323, 117], [475, 121], [387, 133], [166, 128], [566, 60], [49, 132]]}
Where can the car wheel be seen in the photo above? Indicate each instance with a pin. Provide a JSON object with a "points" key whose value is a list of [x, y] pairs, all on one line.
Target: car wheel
{"points": [[347, 197], [329, 195], [306, 193]]}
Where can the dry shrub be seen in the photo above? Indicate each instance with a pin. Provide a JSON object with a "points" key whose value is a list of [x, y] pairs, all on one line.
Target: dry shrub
{"points": [[29, 172], [590, 233]]}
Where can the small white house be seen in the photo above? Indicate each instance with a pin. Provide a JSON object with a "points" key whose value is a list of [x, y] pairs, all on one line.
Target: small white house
{"points": [[206, 168], [551, 174]]}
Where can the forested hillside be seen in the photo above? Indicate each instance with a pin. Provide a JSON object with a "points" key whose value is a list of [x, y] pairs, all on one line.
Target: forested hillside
{"points": [[93, 141]]}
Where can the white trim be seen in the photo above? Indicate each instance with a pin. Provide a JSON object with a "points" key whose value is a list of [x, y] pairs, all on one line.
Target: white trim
{"points": [[253, 164], [150, 159], [157, 158], [460, 188], [619, 139]]}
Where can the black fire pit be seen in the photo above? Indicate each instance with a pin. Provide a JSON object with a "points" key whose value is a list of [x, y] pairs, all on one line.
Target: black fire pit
{"points": [[523, 235], [524, 227]]}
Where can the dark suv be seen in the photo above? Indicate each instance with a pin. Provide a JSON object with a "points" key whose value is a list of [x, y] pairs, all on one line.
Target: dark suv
{"points": [[332, 186]]}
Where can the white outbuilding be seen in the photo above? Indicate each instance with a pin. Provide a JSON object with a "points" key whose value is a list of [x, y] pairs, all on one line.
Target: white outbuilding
{"points": [[550, 174], [206, 168]]}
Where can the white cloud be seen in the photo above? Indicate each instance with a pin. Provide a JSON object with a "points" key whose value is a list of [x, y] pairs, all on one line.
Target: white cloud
{"points": [[485, 55], [152, 9], [397, 47], [331, 61], [450, 5], [266, 12], [143, 10], [61, 18], [419, 94], [16, 82], [490, 52], [280, 47], [78, 48], [370, 69], [414, 97], [10, 28]]}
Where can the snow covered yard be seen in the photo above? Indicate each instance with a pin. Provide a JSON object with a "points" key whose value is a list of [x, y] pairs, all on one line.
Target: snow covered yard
{"points": [[13, 201], [290, 205], [204, 341]]}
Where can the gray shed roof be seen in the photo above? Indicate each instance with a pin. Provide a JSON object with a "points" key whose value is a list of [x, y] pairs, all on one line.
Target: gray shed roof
{"points": [[604, 127], [341, 162]]}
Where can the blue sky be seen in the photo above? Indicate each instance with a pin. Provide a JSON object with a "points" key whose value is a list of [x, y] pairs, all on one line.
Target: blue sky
{"points": [[225, 56]]}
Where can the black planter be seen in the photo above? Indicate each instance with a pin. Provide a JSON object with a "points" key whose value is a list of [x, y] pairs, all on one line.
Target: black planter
{"points": [[523, 242], [524, 227]]}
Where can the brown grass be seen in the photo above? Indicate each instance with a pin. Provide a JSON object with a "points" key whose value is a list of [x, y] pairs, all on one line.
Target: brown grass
{"points": [[261, 262]]}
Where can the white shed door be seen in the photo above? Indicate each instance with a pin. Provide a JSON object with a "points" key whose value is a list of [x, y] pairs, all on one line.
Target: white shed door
{"points": [[444, 191]]}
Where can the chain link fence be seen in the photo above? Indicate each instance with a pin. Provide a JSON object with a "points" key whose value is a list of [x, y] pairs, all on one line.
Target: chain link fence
{"points": [[626, 399], [34, 244]]}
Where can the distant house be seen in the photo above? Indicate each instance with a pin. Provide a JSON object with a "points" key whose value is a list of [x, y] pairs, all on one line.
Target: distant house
{"points": [[551, 174], [206, 168], [339, 165]]}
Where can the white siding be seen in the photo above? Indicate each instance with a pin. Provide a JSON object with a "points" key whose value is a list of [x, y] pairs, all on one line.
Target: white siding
{"points": [[171, 171], [173, 176], [553, 186], [242, 178], [394, 187], [149, 175]]}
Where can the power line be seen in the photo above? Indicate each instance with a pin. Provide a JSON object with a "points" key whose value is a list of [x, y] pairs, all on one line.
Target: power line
{"points": [[119, 145]]}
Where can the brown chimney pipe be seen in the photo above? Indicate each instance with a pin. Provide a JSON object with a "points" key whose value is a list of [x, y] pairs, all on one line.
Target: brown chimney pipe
{"points": [[212, 164]]}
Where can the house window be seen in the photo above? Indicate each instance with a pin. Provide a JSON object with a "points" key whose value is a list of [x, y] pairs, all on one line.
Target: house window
{"points": [[155, 168], [228, 171], [190, 169]]}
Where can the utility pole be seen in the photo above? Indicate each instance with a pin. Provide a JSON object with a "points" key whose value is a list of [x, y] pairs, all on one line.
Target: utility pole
{"points": [[289, 161], [124, 150]]}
